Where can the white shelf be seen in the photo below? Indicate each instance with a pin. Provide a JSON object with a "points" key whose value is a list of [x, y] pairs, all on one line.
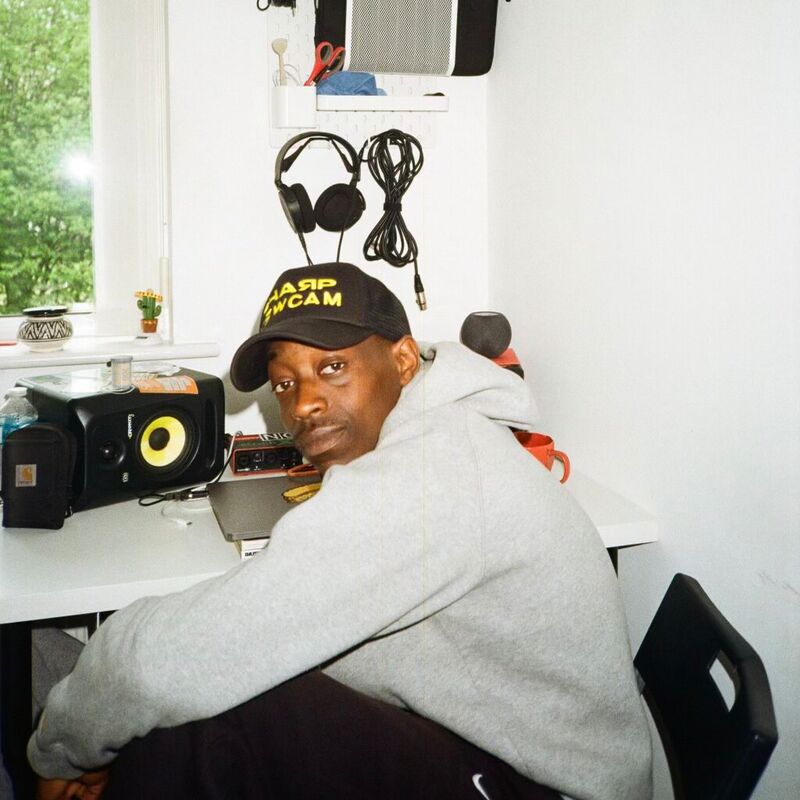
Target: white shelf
{"points": [[381, 103], [98, 350], [298, 106]]}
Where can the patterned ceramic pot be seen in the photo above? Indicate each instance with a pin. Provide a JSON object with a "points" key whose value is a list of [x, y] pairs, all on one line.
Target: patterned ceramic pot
{"points": [[44, 328]]}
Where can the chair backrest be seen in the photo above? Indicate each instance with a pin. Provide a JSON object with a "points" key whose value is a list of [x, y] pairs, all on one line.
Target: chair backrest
{"points": [[714, 752]]}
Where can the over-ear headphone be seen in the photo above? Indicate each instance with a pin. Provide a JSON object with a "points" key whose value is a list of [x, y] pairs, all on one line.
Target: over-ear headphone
{"points": [[339, 207]]}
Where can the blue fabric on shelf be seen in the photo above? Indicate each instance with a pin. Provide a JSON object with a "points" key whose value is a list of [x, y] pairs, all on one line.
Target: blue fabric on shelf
{"points": [[349, 83]]}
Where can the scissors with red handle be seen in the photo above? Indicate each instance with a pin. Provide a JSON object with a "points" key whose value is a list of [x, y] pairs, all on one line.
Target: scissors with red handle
{"points": [[329, 59]]}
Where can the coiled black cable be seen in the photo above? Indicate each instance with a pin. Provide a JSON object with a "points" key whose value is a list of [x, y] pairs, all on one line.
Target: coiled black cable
{"points": [[390, 240]]}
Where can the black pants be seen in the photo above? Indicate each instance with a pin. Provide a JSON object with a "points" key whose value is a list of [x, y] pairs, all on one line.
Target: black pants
{"points": [[313, 738]]}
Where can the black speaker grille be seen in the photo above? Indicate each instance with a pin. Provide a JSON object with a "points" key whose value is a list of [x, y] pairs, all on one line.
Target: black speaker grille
{"points": [[397, 36]]}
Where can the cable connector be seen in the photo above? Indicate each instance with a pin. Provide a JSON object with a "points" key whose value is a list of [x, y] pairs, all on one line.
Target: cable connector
{"points": [[419, 290], [193, 493]]}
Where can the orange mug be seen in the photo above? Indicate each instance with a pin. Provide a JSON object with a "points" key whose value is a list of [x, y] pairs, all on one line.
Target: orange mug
{"points": [[543, 448]]}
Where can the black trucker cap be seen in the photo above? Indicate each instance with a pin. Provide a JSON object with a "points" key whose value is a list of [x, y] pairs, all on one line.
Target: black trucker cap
{"points": [[329, 306]]}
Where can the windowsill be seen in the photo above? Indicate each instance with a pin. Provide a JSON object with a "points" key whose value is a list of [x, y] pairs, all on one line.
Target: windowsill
{"points": [[99, 349]]}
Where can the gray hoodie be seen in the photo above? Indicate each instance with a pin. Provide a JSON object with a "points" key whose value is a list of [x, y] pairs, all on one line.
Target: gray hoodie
{"points": [[456, 574]]}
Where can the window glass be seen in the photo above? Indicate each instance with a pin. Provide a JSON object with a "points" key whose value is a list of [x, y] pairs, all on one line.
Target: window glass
{"points": [[45, 154], [84, 160]]}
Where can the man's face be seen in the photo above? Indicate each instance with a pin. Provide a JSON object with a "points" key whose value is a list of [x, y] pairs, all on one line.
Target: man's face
{"points": [[334, 402]]}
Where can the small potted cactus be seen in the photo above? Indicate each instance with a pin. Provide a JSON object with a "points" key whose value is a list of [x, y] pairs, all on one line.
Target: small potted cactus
{"points": [[148, 304]]}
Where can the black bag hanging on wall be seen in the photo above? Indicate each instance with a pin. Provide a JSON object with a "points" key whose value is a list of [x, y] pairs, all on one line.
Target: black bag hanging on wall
{"points": [[437, 37], [38, 462]]}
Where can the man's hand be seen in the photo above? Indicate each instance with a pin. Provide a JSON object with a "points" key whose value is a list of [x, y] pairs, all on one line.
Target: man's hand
{"points": [[88, 786]]}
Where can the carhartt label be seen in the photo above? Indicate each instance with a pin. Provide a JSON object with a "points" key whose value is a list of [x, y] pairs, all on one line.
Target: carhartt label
{"points": [[306, 292], [25, 475]]}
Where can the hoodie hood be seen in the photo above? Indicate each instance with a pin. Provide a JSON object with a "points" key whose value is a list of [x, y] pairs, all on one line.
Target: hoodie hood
{"points": [[452, 373]]}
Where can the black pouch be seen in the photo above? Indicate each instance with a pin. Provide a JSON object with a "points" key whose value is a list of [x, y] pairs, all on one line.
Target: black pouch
{"points": [[38, 467], [390, 36]]}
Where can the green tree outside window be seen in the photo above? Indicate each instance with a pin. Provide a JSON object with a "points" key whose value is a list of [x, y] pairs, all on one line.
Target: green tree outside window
{"points": [[45, 146]]}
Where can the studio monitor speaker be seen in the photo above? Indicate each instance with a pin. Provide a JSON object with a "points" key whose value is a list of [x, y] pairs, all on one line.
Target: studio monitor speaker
{"points": [[139, 441]]}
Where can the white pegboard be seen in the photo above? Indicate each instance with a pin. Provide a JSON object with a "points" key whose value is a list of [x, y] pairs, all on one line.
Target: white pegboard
{"points": [[297, 27]]}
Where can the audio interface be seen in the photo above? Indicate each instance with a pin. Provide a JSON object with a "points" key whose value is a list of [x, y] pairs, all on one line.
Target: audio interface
{"points": [[264, 452]]}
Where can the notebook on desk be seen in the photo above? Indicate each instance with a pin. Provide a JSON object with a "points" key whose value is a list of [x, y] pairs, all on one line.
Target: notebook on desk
{"points": [[249, 508]]}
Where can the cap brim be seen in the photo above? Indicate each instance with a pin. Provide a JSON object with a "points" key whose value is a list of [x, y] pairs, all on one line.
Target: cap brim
{"points": [[249, 364]]}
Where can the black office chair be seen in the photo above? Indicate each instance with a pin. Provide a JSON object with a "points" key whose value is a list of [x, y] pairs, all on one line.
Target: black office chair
{"points": [[713, 752]]}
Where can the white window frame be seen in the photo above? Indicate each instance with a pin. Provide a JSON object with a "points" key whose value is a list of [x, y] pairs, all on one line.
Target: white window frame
{"points": [[130, 141]]}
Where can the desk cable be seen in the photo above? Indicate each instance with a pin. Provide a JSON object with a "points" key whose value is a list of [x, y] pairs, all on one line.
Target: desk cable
{"points": [[176, 510], [193, 492]]}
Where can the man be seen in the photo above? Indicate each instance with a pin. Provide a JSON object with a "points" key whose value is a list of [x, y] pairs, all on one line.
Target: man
{"points": [[439, 620]]}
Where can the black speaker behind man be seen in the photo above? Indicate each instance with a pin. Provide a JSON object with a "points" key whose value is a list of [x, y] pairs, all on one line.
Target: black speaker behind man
{"points": [[488, 333], [139, 441]]}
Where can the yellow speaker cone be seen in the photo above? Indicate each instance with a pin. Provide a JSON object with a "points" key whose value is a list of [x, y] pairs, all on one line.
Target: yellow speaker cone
{"points": [[163, 441]]}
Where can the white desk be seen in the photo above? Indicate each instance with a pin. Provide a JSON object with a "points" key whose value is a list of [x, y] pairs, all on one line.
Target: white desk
{"points": [[105, 558], [620, 522]]}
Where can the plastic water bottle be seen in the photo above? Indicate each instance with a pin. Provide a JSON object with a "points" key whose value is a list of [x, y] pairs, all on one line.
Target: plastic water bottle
{"points": [[16, 412]]}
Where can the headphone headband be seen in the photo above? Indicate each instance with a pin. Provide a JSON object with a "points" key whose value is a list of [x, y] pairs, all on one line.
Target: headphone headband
{"points": [[283, 162]]}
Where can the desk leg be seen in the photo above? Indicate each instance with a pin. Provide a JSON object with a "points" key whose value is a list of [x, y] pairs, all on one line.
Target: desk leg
{"points": [[15, 705], [613, 554]]}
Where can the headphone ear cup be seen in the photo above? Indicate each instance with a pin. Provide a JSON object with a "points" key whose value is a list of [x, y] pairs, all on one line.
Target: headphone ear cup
{"points": [[339, 207], [297, 207]]}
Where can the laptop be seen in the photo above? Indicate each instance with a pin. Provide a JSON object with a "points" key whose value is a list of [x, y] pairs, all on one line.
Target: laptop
{"points": [[249, 508]]}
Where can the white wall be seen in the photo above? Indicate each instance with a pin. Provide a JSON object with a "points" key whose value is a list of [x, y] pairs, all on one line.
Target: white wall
{"points": [[644, 236], [644, 217], [230, 239]]}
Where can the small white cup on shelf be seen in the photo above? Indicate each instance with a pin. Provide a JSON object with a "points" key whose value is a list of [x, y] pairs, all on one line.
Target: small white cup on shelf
{"points": [[294, 107]]}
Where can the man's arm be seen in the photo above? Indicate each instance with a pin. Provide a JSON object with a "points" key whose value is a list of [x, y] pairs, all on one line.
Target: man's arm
{"points": [[364, 557]]}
